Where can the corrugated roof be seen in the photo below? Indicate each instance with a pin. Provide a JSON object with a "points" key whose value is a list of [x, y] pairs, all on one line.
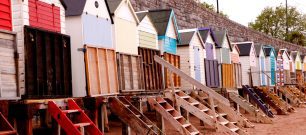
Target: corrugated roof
{"points": [[160, 18], [113, 5], [244, 48], [186, 37]]}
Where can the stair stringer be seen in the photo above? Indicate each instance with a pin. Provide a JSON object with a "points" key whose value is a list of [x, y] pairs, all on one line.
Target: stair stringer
{"points": [[129, 117], [7, 128], [247, 106], [170, 118], [208, 119]]}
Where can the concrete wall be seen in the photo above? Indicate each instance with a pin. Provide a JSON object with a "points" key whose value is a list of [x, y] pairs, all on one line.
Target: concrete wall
{"points": [[190, 15]]}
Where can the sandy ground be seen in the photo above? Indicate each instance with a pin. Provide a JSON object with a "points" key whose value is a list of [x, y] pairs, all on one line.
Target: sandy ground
{"points": [[292, 124]]}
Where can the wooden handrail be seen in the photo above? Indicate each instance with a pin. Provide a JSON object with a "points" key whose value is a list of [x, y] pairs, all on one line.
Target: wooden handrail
{"points": [[191, 80]]}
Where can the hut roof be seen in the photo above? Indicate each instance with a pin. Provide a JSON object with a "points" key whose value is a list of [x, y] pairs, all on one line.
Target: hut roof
{"points": [[245, 48]]}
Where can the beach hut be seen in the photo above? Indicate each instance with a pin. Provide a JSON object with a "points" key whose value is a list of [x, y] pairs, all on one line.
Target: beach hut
{"points": [[167, 29], [147, 33], [211, 62], [90, 26], [129, 62], [191, 51], [304, 66], [148, 48], [247, 59], [296, 65], [270, 64], [259, 78], [235, 60], [44, 49], [283, 67], [125, 21], [165, 23]]}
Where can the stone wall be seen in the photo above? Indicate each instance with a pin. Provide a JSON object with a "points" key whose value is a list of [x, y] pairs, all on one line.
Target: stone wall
{"points": [[191, 15]]}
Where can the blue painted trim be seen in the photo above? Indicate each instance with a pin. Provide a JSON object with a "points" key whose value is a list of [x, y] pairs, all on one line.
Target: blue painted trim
{"points": [[176, 26]]}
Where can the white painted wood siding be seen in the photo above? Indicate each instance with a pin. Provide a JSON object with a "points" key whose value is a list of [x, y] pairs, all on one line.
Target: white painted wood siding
{"points": [[184, 53], [101, 11], [196, 41], [147, 35], [256, 73]]}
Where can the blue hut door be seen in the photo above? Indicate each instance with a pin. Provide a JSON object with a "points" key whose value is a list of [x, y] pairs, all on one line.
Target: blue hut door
{"points": [[197, 67], [272, 60], [263, 76]]}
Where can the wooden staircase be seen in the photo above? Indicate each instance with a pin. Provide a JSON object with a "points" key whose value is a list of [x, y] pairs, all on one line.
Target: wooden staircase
{"points": [[211, 116], [130, 115], [276, 99], [251, 109], [73, 120], [231, 113], [298, 93], [173, 116], [259, 102], [5, 127], [294, 100]]}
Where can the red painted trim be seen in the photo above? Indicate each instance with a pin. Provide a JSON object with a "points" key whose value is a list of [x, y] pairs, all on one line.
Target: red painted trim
{"points": [[44, 15], [5, 15]]}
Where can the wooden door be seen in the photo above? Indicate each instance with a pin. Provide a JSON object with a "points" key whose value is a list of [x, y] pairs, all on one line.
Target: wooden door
{"points": [[273, 67], [212, 73]]}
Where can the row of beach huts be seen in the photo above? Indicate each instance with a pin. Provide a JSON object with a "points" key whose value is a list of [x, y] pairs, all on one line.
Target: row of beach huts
{"points": [[70, 65]]}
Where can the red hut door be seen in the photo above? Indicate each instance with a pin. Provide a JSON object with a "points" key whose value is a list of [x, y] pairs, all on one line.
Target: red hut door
{"points": [[5, 15]]}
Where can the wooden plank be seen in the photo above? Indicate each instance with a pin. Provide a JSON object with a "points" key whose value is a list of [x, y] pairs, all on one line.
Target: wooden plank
{"points": [[101, 71]]}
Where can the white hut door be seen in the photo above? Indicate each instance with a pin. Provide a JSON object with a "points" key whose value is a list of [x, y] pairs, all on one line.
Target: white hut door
{"points": [[197, 67]]}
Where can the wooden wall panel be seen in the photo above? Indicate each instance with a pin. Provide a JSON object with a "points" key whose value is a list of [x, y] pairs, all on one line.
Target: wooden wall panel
{"points": [[101, 71], [228, 78], [175, 61], [44, 15], [299, 77], [9, 84], [152, 71], [48, 64], [212, 73], [5, 15], [130, 73]]}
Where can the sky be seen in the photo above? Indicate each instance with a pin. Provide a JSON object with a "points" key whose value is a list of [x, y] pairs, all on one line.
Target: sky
{"points": [[245, 11]]}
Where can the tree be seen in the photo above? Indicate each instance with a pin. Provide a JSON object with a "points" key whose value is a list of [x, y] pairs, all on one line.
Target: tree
{"points": [[272, 21], [211, 7]]}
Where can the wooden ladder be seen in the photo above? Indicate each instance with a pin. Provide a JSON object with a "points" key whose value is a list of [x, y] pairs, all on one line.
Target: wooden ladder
{"points": [[174, 117], [251, 109], [5, 127], [262, 105], [130, 115], [279, 102], [73, 119], [298, 93]]}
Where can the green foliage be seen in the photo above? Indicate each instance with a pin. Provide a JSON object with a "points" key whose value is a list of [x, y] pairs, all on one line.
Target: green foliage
{"points": [[212, 8], [272, 21]]}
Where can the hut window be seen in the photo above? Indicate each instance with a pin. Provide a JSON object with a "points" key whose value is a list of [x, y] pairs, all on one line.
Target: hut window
{"points": [[96, 4]]}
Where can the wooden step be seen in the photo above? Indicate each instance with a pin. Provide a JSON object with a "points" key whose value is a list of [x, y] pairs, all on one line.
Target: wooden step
{"points": [[7, 132], [71, 111], [185, 97], [82, 124], [204, 110], [222, 114], [178, 117], [126, 105], [169, 110], [195, 133], [162, 102], [234, 129], [224, 122], [186, 125], [194, 103]]}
